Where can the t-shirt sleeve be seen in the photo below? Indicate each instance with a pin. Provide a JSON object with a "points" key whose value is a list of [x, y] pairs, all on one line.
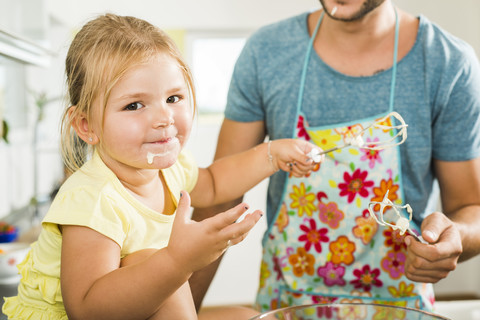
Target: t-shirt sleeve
{"points": [[456, 127], [244, 100], [94, 210]]}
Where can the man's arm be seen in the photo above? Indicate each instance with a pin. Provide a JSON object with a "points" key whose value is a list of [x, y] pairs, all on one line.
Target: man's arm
{"points": [[460, 192], [234, 137], [453, 235]]}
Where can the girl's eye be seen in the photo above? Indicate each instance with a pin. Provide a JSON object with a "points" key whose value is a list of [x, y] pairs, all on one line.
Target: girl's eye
{"points": [[134, 106], [173, 99]]}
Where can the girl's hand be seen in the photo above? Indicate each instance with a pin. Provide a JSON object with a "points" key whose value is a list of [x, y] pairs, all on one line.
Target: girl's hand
{"points": [[194, 245], [291, 155]]}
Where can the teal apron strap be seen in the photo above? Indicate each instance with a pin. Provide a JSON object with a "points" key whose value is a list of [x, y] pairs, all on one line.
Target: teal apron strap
{"points": [[394, 68], [307, 59], [305, 66]]}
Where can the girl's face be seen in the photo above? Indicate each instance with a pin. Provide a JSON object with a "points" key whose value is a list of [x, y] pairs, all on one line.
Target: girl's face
{"points": [[148, 112]]}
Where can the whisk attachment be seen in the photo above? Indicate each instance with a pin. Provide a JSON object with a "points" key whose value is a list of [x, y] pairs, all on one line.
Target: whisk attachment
{"points": [[356, 139], [395, 140], [402, 223]]}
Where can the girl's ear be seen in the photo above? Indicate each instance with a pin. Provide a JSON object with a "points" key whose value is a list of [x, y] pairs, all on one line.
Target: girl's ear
{"points": [[81, 126]]}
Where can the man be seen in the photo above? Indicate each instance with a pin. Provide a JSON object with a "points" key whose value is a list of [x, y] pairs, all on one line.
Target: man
{"points": [[366, 59]]}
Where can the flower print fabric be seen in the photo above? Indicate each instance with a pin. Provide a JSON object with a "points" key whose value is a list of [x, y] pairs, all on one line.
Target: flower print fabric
{"points": [[372, 156], [355, 184], [366, 278], [302, 262], [312, 236], [332, 274], [330, 214], [302, 200], [365, 228], [323, 242]]}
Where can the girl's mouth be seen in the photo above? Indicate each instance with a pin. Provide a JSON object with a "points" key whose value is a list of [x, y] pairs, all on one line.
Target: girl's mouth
{"points": [[162, 148], [162, 141]]}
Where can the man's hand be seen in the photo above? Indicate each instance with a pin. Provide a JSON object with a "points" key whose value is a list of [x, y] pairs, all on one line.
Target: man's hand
{"points": [[433, 261]]}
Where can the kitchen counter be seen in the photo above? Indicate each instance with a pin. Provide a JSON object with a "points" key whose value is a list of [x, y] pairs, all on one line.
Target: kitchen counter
{"points": [[459, 309], [455, 310]]}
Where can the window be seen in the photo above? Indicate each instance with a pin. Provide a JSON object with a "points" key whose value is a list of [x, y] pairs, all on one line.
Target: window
{"points": [[212, 58]]}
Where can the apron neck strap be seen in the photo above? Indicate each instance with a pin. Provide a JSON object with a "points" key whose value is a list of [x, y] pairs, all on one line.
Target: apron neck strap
{"points": [[305, 65], [309, 52], [394, 67]]}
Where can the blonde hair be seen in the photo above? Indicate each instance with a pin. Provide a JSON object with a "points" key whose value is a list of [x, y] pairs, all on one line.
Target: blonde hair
{"points": [[101, 52]]}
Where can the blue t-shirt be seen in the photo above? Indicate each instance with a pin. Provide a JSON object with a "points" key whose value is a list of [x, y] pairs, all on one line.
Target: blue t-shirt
{"points": [[437, 93]]}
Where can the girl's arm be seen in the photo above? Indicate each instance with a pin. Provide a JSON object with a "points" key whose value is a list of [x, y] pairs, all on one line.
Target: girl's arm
{"points": [[230, 177], [95, 287], [179, 305]]}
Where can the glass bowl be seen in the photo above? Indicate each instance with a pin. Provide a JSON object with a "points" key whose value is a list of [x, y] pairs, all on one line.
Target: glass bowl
{"points": [[348, 311]]}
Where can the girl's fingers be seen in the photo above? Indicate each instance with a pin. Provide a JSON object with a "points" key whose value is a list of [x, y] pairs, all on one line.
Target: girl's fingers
{"points": [[226, 218], [183, 205], [300, 170], [304, 168], [238, 231], [238, 239], [297, 168], [223, 229]]}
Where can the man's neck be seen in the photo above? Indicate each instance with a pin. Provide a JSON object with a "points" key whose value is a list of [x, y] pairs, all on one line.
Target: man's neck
{"points": [[361, 34], [365, 46]]}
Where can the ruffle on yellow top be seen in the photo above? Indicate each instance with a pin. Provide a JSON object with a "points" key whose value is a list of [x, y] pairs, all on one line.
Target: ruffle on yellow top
{"points": [[39, 296]]}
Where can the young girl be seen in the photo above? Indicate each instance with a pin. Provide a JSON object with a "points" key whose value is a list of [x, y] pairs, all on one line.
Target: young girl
{"points": [[111, 246]]}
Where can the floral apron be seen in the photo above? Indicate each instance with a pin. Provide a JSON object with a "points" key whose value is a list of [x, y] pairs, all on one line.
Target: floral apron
{"points": [[322, 246]]}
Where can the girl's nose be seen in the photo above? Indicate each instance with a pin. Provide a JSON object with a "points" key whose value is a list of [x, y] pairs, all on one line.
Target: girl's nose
{"points": [[163, 123], [163, 118]]}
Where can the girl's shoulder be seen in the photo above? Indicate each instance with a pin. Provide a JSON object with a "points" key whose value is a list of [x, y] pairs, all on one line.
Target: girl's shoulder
{"points": [[93, 184], [91, 178]]}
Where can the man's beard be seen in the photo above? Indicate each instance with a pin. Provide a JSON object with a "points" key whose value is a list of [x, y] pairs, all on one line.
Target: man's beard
{"points": [[367, 7]]}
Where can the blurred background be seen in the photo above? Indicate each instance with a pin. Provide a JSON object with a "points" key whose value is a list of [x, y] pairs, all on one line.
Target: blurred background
{"points": [[34, 38]]}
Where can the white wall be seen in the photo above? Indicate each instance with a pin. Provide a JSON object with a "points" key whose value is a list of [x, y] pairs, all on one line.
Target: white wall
{"points": [[238, 274], [185, 14], [460, 17]]}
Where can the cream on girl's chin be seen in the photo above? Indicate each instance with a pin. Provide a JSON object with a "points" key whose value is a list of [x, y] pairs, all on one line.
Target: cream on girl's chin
{"points": [[150, 156], [172, 146]]}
